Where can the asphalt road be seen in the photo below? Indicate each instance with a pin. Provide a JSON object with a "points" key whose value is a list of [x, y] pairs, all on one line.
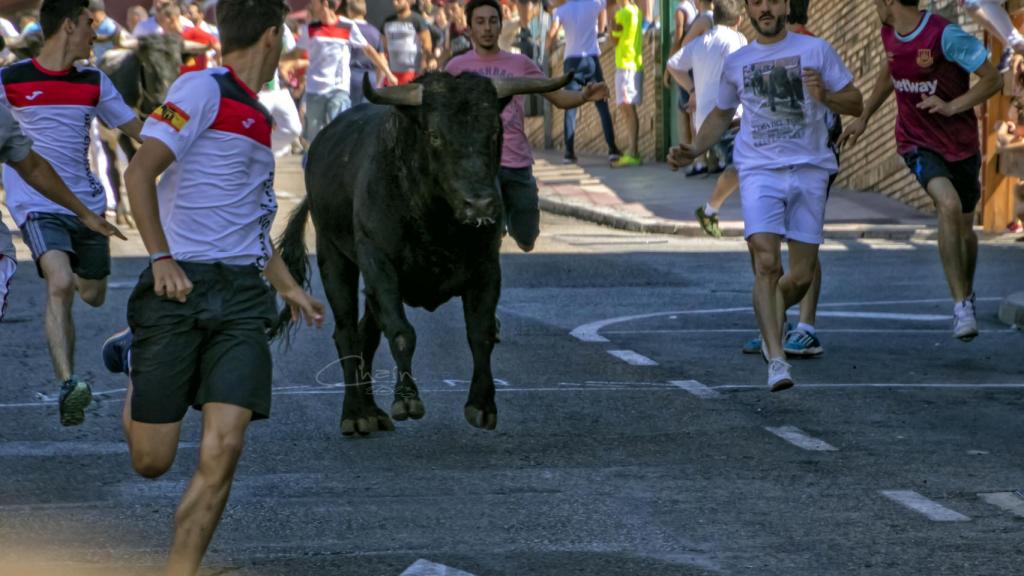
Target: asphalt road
{"points": [[897, 452]]}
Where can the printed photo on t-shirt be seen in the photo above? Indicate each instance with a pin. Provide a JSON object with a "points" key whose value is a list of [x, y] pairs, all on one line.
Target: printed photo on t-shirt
{"points": [[779, 91]]}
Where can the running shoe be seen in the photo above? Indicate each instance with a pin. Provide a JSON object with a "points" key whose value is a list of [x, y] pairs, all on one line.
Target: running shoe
{"points": [[779, 378], [75, 395], [1015, 227], [803, 344], [569, 160], [965, 324], [625, 161], [696, 170], [613, 157], [117, 352], [7, 268], [708, 223], [755, 344]]}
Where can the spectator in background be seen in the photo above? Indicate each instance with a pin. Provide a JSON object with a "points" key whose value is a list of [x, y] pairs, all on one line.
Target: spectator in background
{"points": [[108, 32], [151, 26], [135, 15], [628, 37], [685, 14], [277, 99], [456, 39], [579, 19], [329, 38], [361, 65], [196, 15], [7, 33], [168, 18], [407, 43]]}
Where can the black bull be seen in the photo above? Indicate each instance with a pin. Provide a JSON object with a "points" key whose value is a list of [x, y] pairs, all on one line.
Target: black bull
{"points": [[403, 193]]}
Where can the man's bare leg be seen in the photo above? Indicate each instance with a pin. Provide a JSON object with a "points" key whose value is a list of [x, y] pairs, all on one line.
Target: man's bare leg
{"points": [[60, 329], [201, 507], [809, 304], [953, 250]]}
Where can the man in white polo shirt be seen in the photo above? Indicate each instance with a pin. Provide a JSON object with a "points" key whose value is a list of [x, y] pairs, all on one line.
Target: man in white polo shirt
{"points": [[787, 84]]}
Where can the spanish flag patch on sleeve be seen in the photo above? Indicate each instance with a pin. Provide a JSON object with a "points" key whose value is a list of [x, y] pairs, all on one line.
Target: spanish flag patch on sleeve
{"points": [[171, 115]]}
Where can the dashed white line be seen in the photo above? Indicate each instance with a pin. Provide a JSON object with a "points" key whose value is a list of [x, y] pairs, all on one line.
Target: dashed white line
{"points": [[696, 388], [801, 439], [1012, 502], [423, 567], [928, 508], [632, 358]]}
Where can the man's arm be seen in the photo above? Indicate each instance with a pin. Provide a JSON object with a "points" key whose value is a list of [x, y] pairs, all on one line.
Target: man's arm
{"points": [[553, 31], [846, 101], [566, 99], [380, 62], [427, 48], [301, 304], [989, 82], [152, 159], [40, 175], [879, 94], [711, 132], [132, 129]]}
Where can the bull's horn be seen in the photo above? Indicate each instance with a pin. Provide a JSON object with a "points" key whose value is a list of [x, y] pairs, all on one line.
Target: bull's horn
{"points": [[512, 86], [406, 95]]}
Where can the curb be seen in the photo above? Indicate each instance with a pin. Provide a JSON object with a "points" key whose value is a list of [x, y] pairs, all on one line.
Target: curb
{"points": [[624, 221], [1011, 311]]}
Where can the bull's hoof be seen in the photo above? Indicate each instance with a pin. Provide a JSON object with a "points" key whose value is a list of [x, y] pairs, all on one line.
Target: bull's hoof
{"points": [[404, 408], [478, 418], [364, 426]]}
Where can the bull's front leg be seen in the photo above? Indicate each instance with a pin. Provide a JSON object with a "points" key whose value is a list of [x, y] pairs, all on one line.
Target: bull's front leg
{"points": [[385, 298], [479, 306]]}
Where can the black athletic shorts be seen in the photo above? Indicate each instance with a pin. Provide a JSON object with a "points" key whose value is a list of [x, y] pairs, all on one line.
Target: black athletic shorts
{"points": [[212, 348], [964, 174], [89, 251]]}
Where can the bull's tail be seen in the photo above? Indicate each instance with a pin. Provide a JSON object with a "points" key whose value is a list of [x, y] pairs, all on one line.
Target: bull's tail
{"points": [[292, 247]]}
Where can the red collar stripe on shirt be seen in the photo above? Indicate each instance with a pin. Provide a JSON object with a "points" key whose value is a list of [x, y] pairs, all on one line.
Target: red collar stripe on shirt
{"points": [[337, 31]]}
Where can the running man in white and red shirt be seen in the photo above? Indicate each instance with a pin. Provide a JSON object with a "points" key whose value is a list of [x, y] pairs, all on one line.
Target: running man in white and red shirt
{"points": [[929, 65], [16, 151], [518, 187], [199, 313], [168, 17], [55, 102], [329, 38], [788, 85]]}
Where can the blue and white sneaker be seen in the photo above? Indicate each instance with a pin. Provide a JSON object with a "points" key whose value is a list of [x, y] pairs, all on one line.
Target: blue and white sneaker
{"points": [[75, 396], [803, 344], [753, 346]]}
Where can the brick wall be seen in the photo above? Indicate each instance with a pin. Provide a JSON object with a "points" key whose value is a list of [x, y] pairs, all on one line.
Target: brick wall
{"points": [[852, 26], [589, 137]]}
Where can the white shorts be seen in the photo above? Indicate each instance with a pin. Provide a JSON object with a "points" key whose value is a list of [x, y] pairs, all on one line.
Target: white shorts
{"points": [[789, 202], [978, 3], [629, 86]]}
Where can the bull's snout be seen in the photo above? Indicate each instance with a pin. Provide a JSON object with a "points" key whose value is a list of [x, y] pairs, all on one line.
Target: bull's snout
{"points": [[479, 211]]}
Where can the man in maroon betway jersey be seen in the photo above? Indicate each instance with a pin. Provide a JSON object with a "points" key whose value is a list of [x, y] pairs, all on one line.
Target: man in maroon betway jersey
{"points": [[55, 100], [199, 313], [929, 66]]}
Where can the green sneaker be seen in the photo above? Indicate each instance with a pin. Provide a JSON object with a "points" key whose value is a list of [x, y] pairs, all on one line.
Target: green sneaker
{"points": [[708, 223], [75, 395], [626, 160]]}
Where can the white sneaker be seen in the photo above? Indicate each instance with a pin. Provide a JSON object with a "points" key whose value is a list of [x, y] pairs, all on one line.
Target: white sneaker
{"points": [[778, 375], [965, 324], [7, 268]]}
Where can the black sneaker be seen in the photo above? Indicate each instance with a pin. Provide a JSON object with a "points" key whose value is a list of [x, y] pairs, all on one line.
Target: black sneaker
{"points": [[116, 350], [75, 395]]}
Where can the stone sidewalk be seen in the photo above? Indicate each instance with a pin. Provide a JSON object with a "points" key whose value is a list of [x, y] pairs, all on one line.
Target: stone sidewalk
{"points": [[652, 198]]}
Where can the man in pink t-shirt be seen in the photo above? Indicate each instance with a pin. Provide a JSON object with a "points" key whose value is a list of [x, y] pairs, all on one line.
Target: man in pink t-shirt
{"points": [[518, 187]]}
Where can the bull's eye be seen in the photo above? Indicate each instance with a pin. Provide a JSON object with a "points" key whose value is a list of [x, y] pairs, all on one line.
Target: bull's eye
{"points": [[435, 138]]}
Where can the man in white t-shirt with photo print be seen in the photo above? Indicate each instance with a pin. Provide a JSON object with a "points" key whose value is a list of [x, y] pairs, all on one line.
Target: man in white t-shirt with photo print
{"points": [[787, 84]]}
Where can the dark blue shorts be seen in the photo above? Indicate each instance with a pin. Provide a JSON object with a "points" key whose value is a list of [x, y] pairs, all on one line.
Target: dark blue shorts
{"points": [[964, 174], [89, 251]]}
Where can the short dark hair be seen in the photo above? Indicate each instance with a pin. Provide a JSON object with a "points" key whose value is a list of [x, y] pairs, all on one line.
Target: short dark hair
{"points": [[798, 12], [474, 4], [242, 22], [727, 12], [913, 3], [53, 13]]}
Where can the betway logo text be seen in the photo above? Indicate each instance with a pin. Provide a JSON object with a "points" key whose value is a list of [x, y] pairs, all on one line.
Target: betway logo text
{"points": [[903, 85]]}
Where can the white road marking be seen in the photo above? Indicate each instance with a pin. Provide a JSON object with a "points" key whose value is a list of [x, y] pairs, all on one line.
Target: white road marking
{"points": [[929, 508], [927, 385], [753, 330], [16, 449], [886, 316], [696, 388], [801, 439], [423, 567], [1009, 501], [632, 358], [456, 382], [589, 332]]}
